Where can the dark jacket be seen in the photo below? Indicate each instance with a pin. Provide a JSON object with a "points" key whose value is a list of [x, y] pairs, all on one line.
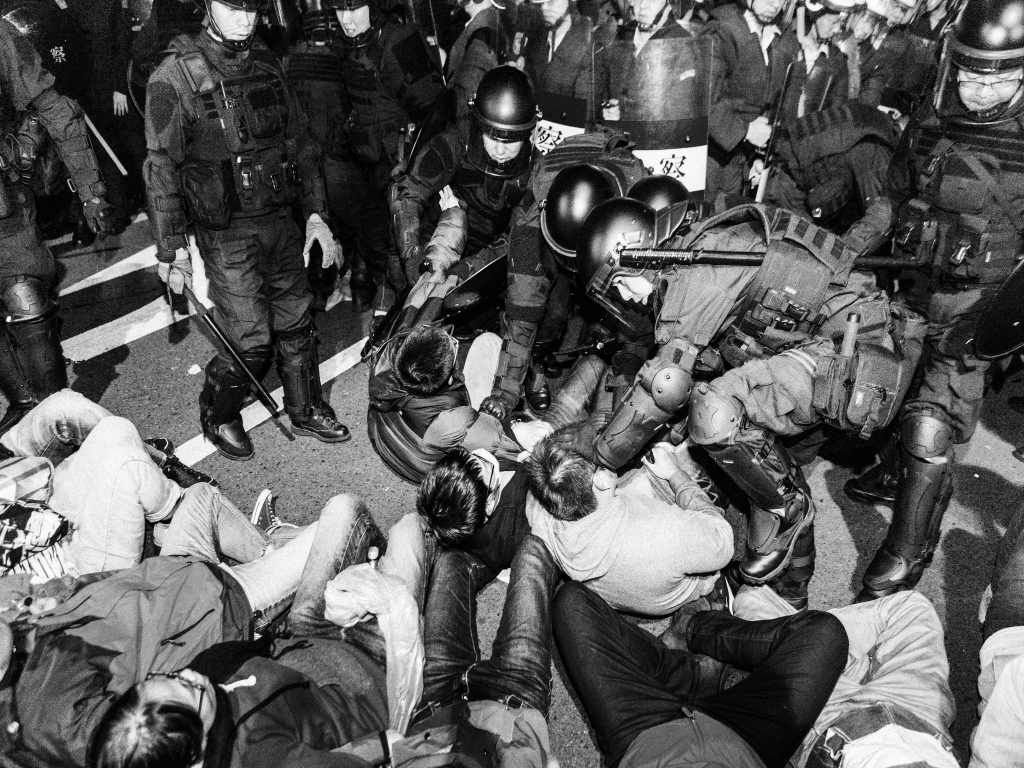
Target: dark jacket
{"points": [[113, 630], [570, 71]]}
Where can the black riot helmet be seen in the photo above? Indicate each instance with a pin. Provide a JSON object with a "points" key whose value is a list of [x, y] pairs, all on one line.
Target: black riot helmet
{"points": [[363, 38], [252, 6], [983, 51], [621, 222], [573, 194], [504, 109], [659, 191], [319, 22]]}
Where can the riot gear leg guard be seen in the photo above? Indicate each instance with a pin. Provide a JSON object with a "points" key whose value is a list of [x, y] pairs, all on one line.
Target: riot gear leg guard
{"points": [[303, 394], [662, 389], [535, 386], [31, 360], [361, 281], [781, 508], [925, 488], [221, 401]]}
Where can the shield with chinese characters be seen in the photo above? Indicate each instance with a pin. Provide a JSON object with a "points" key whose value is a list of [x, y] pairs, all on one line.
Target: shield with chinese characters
{"points": [[57, 37], [660, 96], [560, 117]]}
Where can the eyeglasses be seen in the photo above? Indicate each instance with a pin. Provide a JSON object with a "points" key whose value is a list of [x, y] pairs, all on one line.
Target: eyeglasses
{"points": [[977, 85], [178, 677]]}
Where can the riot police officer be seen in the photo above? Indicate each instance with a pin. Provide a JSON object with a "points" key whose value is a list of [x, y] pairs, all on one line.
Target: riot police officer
{"points": [[31, 361], [538, 265], [773, 328], [959, 200], [391, 82], [230, 150], [487, 165]]}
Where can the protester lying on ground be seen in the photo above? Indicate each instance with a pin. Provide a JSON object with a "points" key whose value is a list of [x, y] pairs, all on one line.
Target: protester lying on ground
{"points": [[892, 705], [635, 548], [651, 705], [70, 664], [996, 740]]}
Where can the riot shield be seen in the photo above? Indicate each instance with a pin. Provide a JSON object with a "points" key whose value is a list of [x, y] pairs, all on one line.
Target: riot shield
{"points": [[660, 96], [60, 42], [560, 117], [1000, 331]]}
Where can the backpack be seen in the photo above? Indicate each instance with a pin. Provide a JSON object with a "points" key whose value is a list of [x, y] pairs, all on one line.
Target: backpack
{"points": [[30, 531]]}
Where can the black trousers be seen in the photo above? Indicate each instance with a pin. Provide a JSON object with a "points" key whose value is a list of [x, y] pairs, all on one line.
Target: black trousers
{"points": [[629, 681]]}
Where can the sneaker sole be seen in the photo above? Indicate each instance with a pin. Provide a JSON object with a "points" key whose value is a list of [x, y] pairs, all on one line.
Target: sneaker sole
{"points": [[309, 433]]}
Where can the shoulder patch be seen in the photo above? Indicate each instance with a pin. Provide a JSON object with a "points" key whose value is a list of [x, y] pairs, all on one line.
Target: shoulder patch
{"points": [[161, 104]]}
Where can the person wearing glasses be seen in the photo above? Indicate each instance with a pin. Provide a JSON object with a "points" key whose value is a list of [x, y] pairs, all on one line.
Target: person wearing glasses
{"points": [[958, 189]]}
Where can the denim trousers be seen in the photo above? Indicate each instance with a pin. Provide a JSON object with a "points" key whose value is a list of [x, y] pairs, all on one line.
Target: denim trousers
{"points": [[519, 667], [1007, 606], [629, 681]]}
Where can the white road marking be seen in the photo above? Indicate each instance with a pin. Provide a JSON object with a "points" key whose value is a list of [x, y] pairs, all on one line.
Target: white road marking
{"points": [[198, 448], [142, 260], [135, 325]]}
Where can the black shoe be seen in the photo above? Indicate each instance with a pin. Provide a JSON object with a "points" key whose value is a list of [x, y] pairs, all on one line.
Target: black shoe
{"points": [[771, 539], [230, 440], [890, 572], [876, 486], [184, 475], [536, 390], [323, 425], [162, 444]]}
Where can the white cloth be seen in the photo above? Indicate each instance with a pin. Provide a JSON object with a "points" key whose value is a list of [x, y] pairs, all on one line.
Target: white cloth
{"points": [[997, 740]]}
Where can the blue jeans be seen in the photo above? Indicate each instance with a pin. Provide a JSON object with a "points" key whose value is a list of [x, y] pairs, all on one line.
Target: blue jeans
{"points": [[629, 681], [520, 662], [1007, 606]]}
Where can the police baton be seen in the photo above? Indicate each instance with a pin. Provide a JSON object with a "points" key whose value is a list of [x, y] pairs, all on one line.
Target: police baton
{"points": [[261, 392], [769, 150]]}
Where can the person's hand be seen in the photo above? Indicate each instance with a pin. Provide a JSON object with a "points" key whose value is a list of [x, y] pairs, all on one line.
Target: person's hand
{"points": [[610, 110], [756, 169], [317, 231], [99, 215], [494, 407], [759, 131], [120, 104], [529, 433], [661, 461], [178, 273], [42, 526], [448, 198]]}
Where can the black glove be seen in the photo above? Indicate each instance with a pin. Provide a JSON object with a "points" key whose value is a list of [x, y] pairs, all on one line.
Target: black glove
{"points": [[99, 215]]}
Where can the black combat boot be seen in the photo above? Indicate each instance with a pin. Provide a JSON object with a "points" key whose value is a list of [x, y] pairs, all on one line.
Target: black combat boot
{"points": [[792, 585], [31, 365], [303, 393], [878, 484], [220, 403]]}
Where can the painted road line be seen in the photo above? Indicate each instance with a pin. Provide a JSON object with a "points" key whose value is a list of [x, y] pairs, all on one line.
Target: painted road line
{"points": [[135, 325], [198, 448], [142, 260]]}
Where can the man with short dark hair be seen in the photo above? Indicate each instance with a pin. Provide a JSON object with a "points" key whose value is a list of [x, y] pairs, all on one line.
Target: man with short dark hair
{"points": [[649, 547]]}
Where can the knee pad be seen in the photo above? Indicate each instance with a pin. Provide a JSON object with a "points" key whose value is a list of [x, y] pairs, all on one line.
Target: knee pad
{"points": [[715, 418], [925, 435], [669, 387], [295, 344], [27, 300]]}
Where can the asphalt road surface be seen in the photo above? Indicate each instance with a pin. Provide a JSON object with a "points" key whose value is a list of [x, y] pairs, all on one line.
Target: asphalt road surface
{"points": [[129, 353]]}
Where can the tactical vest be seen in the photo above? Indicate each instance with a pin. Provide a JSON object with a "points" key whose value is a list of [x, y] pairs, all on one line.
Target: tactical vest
{"points": [[239, 161], [489, 201], [316, 75], [611, 149], [782, 305], [967, 219], [373, 99]]}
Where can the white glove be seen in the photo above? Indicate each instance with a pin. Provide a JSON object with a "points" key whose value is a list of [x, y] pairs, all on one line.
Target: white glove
{"points": [[317, 231], [177, 273]]}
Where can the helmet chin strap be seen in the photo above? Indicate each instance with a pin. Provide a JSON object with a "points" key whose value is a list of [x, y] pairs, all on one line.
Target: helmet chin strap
{"points": [[236, 46], [645, 28]]}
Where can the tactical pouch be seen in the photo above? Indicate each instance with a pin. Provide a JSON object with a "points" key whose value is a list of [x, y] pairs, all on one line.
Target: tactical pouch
{"points": [[967, 247], [206, 193], [917, 230], [859, 393], [738, 348]]}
